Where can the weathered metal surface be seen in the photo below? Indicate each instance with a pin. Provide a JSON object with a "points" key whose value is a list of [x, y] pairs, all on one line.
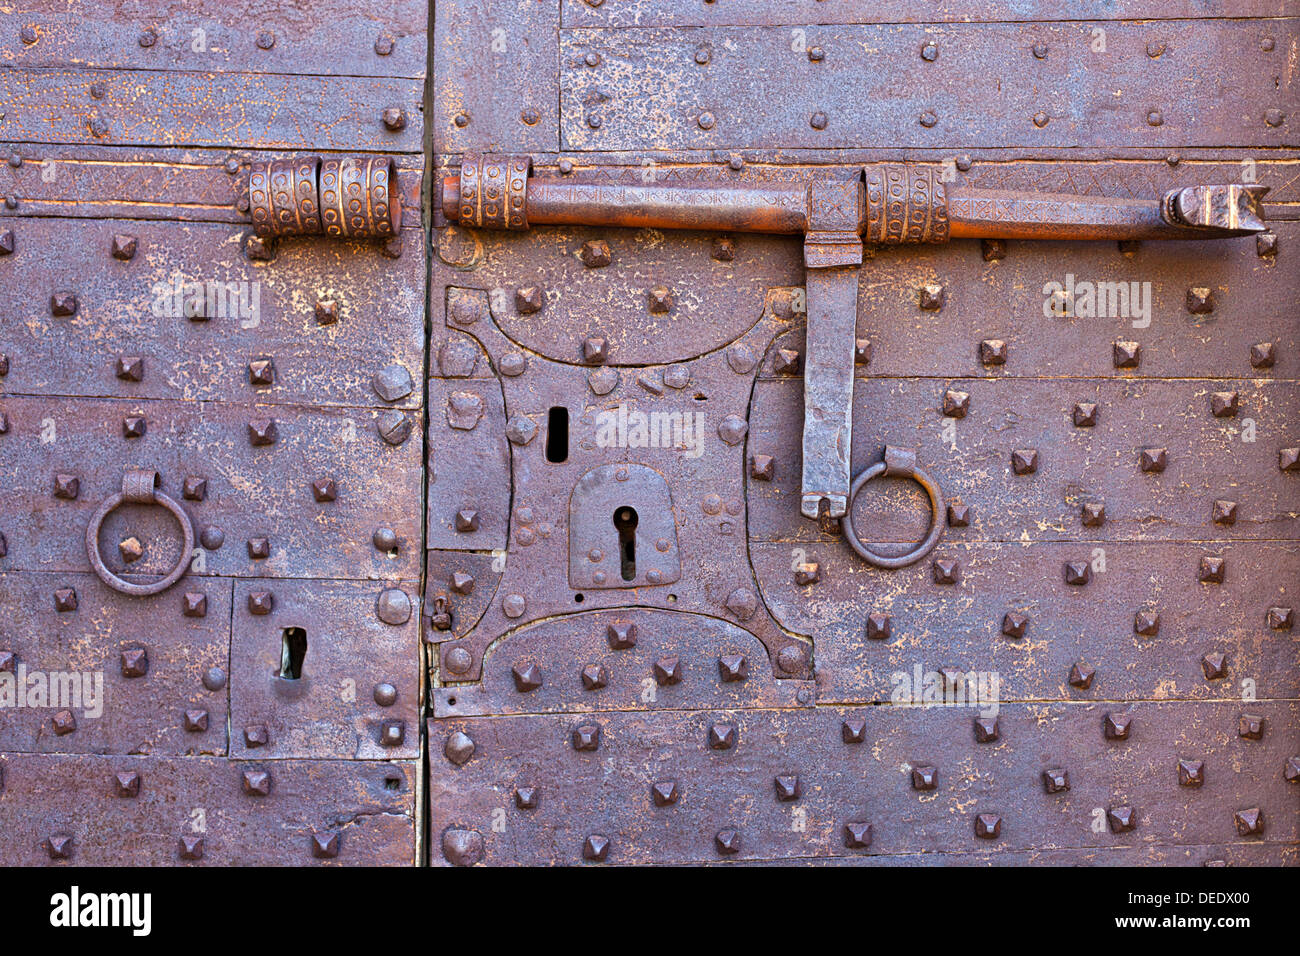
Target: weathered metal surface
{"points": [[684, 421], [1089, 434], [716, 87], [205, 108], [494, 84], [198, 313], [657, 13], [1144, 624], [192, 185], [253, 471], [631, 658], [129, 670], [202, 811], [606, 790], [330, 38], [274, 384], [654, 303], [349, 689]]}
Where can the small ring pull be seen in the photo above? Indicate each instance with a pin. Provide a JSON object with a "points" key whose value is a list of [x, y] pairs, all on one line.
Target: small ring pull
{"points": [[139, 486], [900, 462]]}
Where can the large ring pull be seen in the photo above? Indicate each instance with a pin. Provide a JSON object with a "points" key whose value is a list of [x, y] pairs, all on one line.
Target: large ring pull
{"points": [[139, 486], [902, 463]]}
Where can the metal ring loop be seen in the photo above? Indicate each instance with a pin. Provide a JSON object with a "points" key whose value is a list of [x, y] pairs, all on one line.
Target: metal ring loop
{"points": [[936, 512], [111, 579]]}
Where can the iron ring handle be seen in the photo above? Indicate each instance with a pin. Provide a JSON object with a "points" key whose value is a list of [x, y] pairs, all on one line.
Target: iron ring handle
{"points": [[900, 462], [139, 486]]}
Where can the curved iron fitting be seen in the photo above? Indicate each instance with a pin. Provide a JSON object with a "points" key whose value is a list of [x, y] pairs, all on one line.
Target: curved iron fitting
{"points": [[1233, 210]]}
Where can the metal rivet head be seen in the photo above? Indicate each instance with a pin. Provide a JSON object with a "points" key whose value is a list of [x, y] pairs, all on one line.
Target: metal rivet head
{"points": [[462, 847], [762, 467], [1081, 676], [66, 486], [124, 247], [585, 737], [1191, 773], [1116, 726], [394, 119], [63, 304], [527, 798], [1251, 727], [722, 736], [853, 730], [65, 599], [214, 678], [857, 835], [621, 635], [1153, 460], [256, 735], [595, 848], [595, 350], [126, 784], [1056, 780], [924, 778], [324, 489], [59, 846], [733, 668], [1041, 119], [1078, 573], [393, 606], [262, 432], [706, 120], [1085, 414], [1200, 300], [956, 404], [878, 626], [1249, 822], [1121, 819], [818, 120], [135, 662], [594, 677], [945, 571], [392, 383], [1211, 570], [807, 573], [787, 787], [595, 254], [195, 721], [1146, 623], [1024, 461], [392, 733], [1214, 665], [1014, 624], [727, 842], [665, 792], [988, 826], [667, 671], [993, 352], [1280, 618], [527, 677], [458, 748], [1127, 354], [261, 602], [1092, 513], [660, 300], [256, 783], [932, 296], [325, 846], [259, 549], [986, 730], [134, 426]]}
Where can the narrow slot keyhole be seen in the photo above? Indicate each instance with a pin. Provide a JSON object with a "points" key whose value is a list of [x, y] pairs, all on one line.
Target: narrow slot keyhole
{"points": [[625, 522], [557, 435], [293, 649]]}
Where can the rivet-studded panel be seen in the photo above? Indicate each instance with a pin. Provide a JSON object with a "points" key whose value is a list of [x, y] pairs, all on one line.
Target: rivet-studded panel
{"points": [[177, 365], [1107, 617]]}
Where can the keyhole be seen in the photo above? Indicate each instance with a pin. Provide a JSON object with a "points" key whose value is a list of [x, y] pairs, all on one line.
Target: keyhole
{"points": [[625, 522], [293, 649], [557, 435]]}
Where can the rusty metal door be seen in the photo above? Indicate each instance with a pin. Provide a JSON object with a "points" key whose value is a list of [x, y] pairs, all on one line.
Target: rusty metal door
{"points": [[189, 395], [350, 515], [652, 644]]}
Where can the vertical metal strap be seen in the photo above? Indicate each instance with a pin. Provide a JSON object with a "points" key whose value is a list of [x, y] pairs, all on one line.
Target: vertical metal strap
{"points": [[832, 256]]}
